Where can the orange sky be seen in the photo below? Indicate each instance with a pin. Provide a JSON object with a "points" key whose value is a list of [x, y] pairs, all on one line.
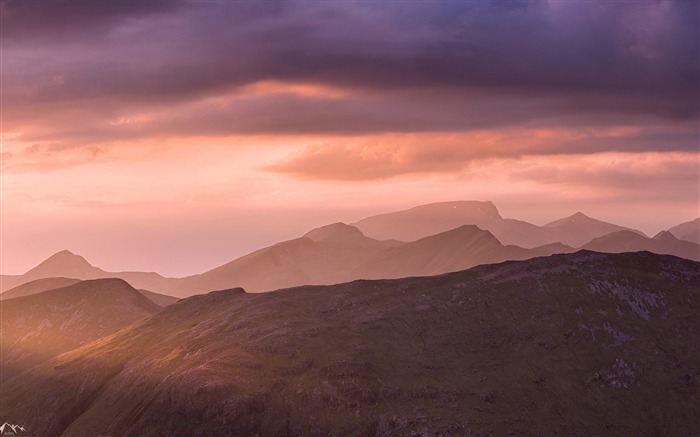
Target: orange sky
{"points": [[174, 136]]}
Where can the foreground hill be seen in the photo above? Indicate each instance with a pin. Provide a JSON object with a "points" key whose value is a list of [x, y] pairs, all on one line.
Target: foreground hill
{"points": [[663, 243], [38, 327], [577, 344], [422, 221]]}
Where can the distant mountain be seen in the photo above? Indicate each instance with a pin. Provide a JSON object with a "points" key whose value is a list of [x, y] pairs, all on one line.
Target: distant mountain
{"points": [[41, 326], [64, 264], [326, 255], [689, 231], [69, 265], [426, 220], [574, 344], [338, 253], [579, 229], [663, 243], [37, 286], [458, 249]]}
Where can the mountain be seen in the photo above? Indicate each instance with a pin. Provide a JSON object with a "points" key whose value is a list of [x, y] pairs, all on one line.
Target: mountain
{"points": [[426, 220], [579, 229], [69, 265], [340, 253], [43, 325], [574, 344], [162, 300], [325, 255], [64, 264], [46, 284], [37, 286], [689, 231], [458, 249], [663, 243]]}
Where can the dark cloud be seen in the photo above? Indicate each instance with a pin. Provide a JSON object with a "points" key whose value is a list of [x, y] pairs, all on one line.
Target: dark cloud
{"points": [[409, 66]]}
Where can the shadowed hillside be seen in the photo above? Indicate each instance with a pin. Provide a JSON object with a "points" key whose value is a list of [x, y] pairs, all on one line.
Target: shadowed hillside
{"points": [[577, 344], [38, 327]]}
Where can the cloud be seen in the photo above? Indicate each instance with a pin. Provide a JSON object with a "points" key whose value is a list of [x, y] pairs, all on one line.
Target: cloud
{"points": [[387, 156], [404, 67], [45, 157]]}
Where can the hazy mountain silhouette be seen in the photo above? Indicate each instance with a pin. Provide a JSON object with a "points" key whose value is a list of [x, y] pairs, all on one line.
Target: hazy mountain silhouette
{"points": [[325, 255], [689, 231], [575, 344], [425, 220], [43, 325], [37, 286], [458, 249], [69, 265], [663, 243], [339, 252], [579, 229]]}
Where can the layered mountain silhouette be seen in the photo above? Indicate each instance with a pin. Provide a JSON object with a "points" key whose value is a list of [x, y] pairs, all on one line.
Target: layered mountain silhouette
{"points": [[663, 243], [69, 265], [573, 344], [425, 220], [43, 325], [37, 286], [340, 252], [426, 240], [688, 231]]}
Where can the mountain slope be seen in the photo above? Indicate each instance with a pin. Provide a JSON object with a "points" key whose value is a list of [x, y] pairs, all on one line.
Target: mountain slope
{"points": [[162, 300], [576, 344], [38, 327], [663, 243], [37, 286], [69, 265], [426, 220], [579, 229], [458, 249], [688, 231], [323, 256]]}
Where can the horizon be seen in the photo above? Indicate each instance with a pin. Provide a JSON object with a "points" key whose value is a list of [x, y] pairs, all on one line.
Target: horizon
{"points": [[174, 136], [243, 252]]}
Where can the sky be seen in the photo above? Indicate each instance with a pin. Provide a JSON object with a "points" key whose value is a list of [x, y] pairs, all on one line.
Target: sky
{"points": [[174, 136]]}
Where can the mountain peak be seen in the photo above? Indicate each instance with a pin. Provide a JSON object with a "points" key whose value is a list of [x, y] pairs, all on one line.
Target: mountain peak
{"points": [[63, 264], [335, 231], [665, 236], [65, 257]]}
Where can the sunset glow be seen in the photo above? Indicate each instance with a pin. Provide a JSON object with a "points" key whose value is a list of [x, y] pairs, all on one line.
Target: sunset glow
{"points": [[174, 136]]}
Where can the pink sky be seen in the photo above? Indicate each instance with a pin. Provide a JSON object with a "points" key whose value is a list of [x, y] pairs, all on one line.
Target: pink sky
{"points": [[175, 136]]}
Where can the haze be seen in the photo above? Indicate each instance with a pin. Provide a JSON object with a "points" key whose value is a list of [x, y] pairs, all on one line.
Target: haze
{"points": [[175, 136]]}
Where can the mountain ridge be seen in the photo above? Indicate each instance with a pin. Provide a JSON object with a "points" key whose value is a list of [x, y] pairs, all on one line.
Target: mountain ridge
{"points": [[494, 349]]}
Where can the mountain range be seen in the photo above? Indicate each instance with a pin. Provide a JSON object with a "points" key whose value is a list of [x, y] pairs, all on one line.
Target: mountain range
{"points": [[571, 344], [426, 240], [426, 220]]}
